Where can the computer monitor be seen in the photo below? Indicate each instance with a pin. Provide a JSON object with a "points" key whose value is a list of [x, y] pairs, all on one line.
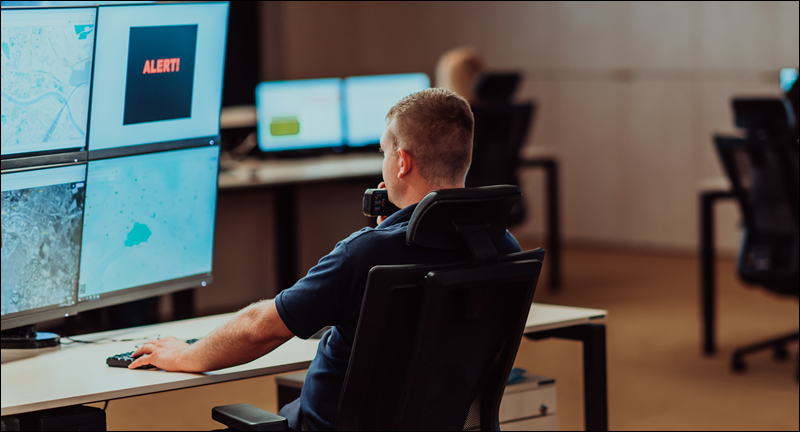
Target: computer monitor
{"points": [[158, 77], [788, 77], [42, 219], [368, 99], [46, 67], [299, 115], [148, 227]]}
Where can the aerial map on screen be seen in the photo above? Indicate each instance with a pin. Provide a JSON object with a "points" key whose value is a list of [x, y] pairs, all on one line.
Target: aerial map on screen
{"points": [[46, 65], [41, 239]]}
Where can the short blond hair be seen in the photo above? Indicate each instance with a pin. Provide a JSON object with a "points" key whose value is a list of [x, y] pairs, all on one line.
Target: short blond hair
{"points": [[457, 71], [436, 127]]}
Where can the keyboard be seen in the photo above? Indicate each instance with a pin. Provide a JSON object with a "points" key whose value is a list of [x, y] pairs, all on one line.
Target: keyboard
{"points": [[126, 358]]}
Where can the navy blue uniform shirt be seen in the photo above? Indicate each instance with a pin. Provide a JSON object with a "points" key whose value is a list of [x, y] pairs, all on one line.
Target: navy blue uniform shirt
{"points": [[331, 294]]}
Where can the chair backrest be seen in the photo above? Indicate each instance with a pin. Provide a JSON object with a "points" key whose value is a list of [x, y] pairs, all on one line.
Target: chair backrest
{"points": [[764, 178], [500, 133], [435, 343]]}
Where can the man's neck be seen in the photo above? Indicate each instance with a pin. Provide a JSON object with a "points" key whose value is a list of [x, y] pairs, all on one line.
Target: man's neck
{"points": [[415, 195]]}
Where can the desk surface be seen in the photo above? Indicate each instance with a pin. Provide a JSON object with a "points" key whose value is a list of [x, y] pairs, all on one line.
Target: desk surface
{"points": [[77, 374], [254, 173]]}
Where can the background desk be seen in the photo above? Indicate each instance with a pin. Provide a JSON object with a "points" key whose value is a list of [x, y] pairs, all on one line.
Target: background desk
{"points": [[77, 374], [585, 326], [284, 176]]}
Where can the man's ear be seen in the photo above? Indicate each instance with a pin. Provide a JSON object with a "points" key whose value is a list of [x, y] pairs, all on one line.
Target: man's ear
{"points": [[406, 161]]}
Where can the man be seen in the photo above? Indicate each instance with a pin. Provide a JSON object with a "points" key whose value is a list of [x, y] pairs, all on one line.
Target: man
{"points": [[427, 145]]}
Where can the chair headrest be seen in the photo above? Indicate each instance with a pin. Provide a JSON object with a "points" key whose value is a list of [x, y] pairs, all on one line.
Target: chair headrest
{"points": [[440, 218], [763, 117], [497, 87]]}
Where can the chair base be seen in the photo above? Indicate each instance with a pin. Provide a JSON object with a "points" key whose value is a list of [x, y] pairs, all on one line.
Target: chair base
{"points": [[778, 344]]}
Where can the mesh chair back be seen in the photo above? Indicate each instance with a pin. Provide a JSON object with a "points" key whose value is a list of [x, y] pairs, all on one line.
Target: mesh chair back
{"points": [[500, 133], [764, 178], [435, 344]]}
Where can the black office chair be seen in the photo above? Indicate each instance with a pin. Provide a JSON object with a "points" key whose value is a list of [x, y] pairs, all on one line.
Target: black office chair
{"points": [[501, 128], [763, 171], [435, 343]]}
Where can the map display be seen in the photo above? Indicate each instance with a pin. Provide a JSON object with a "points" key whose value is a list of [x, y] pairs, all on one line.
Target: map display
{"points": [[46, 64], [41, 237], [148, 219]]}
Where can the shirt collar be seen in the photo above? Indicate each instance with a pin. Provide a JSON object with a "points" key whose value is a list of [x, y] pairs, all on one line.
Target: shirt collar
{"points": [[403, 215]]}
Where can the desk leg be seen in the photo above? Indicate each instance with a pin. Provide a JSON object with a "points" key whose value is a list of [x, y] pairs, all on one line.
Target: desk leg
{"points": [[553, 225], [708, 267], [286, 238], [595, 386], [553, 247]]}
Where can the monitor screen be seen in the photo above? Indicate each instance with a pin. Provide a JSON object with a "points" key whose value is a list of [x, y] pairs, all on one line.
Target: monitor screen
{"points": [[46, 65], [297, 115], [788, 77], [368, 99], [158, 76], [42, 217], [148, 219]]}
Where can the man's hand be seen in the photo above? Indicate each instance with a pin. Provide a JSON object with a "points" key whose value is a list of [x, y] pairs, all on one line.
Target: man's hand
{"points": [[163, 353], [382, 185]]}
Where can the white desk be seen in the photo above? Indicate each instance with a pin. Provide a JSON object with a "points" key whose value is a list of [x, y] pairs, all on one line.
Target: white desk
{"points": [[586, 326], [549, 317], [74, 374]]}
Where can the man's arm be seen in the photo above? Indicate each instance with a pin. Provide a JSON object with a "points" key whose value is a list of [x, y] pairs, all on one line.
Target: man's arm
{"points": [[253, 332]]}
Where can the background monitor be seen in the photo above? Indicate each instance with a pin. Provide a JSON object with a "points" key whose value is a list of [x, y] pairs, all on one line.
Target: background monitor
{"points": [[158, 77], [42, 219], [46, 67], [301, 114], [788, 77], [368, 99], [148, 225]]}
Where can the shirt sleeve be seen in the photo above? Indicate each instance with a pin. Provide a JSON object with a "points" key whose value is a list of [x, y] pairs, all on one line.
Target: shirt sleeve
{"points": [[321, 298]]}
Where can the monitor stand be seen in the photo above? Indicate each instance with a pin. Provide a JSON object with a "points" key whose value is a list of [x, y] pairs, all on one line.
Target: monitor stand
{"points": [[26, 337]]}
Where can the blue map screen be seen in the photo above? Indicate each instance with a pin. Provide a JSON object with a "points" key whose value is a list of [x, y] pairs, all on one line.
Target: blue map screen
{"points": [[148, 219]]}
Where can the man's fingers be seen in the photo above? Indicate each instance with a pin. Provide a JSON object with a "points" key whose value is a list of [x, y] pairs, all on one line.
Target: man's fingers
{"points": [[141, 361], [382, 185], [147, 348]]}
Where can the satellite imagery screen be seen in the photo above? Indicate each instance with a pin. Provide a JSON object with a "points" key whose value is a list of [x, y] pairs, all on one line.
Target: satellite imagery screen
{"points": [[46, 62], [149, 218], [42, 213]]}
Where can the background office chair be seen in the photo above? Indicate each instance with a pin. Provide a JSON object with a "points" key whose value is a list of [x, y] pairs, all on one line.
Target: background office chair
{"points": [[763, 171], [435, 343], [501, 128]]}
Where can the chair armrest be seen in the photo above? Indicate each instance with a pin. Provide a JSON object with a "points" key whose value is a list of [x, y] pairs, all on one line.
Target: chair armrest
{"points": [[246, 417]]}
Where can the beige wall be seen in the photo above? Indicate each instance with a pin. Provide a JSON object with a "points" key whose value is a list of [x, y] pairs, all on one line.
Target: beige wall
{"points": [[629, 92]]}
